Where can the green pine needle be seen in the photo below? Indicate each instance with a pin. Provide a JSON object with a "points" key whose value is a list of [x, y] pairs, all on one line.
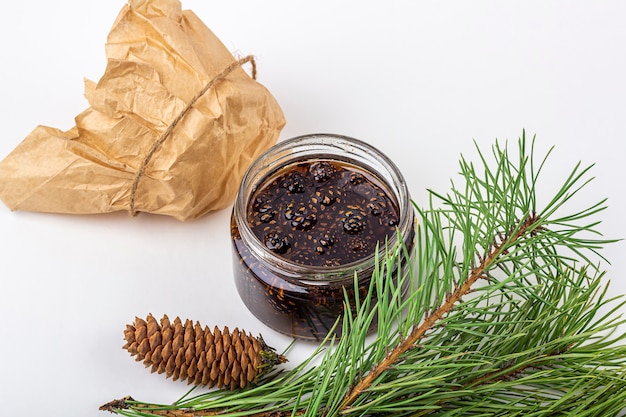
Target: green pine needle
{"points": [[507, 314]]}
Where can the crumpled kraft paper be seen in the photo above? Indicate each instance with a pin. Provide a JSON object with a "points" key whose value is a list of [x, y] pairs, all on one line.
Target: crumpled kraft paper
{"points": [[151, 139]]}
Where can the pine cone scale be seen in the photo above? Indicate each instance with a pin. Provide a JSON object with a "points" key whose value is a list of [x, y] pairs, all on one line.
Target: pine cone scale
{"points": [[141, 330], [155, 340], [143, 348], [170, 367], [166, 353]]}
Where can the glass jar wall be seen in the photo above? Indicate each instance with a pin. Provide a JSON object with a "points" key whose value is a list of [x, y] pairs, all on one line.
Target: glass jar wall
{"points": [[308, 216]]}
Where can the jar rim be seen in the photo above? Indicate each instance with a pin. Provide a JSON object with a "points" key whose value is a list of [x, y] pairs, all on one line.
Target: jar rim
{"points": [[285, 152]]}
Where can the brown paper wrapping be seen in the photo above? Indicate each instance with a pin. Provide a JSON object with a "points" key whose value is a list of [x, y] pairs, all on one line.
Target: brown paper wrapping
{"points": [[151, 139]]}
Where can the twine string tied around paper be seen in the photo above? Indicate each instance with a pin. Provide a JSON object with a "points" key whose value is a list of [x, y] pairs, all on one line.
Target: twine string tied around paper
{"points": [[166, 133]]}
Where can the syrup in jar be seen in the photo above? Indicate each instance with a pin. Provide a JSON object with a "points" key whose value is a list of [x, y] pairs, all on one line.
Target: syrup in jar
{"points": [[309, 215]]}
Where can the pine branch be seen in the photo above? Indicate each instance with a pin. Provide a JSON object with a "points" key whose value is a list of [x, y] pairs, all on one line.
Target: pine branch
{"points": [[432, 319], [507, 314], [118, 406]]}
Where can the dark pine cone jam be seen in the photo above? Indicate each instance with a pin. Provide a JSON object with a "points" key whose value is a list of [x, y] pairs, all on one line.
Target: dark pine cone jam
{"points": [[322, 213], [305, 227]]}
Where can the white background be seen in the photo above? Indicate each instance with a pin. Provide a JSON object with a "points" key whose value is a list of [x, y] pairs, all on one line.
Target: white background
{"points": [[418, 80]]}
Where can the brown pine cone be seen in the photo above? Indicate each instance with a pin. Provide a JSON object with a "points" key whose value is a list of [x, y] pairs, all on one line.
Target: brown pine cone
{"points": [[219, 358]]}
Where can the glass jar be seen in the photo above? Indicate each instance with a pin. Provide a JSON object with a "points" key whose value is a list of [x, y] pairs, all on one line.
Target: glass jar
{"points": [[300, 300]]}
